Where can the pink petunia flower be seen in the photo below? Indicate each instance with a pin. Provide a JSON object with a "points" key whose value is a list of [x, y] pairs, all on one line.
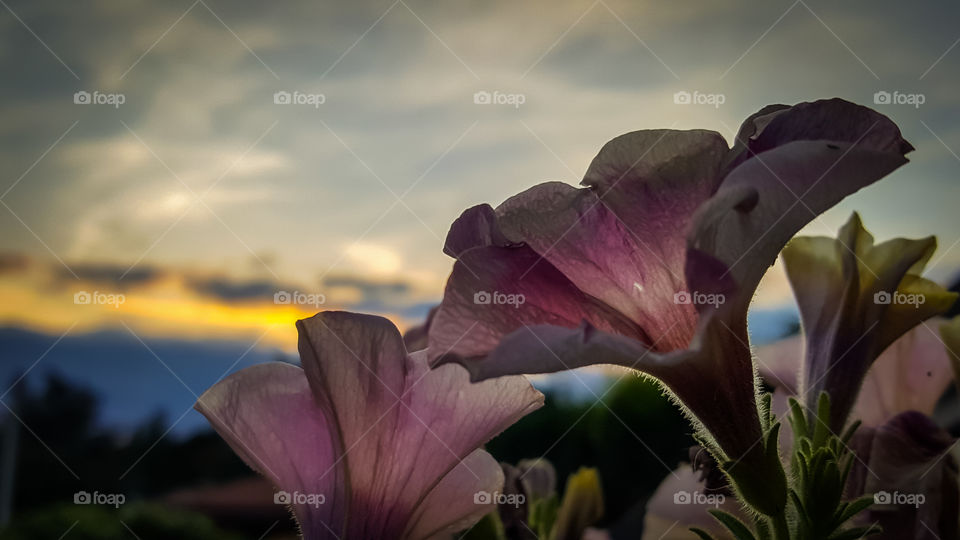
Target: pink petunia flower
{"points": [[365, 441], [653, 264]]}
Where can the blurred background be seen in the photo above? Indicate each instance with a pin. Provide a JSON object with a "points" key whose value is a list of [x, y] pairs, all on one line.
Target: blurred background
{"points": [[182, 180]]}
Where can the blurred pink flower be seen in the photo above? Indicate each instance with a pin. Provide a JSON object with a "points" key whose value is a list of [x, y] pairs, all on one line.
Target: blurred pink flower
{"points": [[366, 441]]}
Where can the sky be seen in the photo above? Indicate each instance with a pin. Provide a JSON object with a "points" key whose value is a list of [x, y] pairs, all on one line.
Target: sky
{"points": [[150, 156]]}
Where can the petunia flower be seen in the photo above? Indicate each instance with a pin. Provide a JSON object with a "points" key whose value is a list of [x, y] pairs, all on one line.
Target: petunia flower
{"points": [[365, 441], [855, 299], [898, 447], [653, 264]]}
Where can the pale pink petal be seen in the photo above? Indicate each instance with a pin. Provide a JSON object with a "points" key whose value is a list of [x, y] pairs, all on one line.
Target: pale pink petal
{"points": [[780, 362], [911, 375], [453, 504], [674, 508], [403, 426], [267, 414]]}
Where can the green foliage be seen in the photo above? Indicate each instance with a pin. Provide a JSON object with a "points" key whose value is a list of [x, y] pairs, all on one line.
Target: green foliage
{"points": [[625, 437], [543, 515], [820, 465], [93, 522]]}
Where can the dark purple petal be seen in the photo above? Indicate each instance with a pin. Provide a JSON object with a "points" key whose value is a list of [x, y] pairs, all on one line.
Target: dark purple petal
{"points": [[909, 456], [472, 320], [766, 200], [834, 120]]}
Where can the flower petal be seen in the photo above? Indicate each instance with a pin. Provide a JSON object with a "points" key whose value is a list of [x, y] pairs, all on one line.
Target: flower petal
{"points": [[910, 375], [623, 240], [823, 120], [267, 415], [853, 298], [451, 505], [766, 200], [907, 456], [474, 315], [671, 510], [779, 363], [403, 426]]}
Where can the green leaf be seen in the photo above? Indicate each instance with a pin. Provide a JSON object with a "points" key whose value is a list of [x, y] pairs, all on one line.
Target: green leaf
{"points": [[488, 528], [848, 434], [797, 420], [856, 532], [737, 527], [763, 530], [582, 505], [821, 431], [543, 515], [704, 535], [853, 508]]}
